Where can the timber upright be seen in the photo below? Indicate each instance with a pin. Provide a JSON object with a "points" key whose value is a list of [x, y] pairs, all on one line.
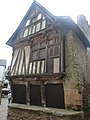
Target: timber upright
{"points": [[47, 68]]}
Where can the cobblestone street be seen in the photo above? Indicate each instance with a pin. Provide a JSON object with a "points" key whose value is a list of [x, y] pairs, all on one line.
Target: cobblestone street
{"points": [[3, 109]]}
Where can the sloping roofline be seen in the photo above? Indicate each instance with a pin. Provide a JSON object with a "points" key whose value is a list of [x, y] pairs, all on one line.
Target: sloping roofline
{"points": [[66, 20]]}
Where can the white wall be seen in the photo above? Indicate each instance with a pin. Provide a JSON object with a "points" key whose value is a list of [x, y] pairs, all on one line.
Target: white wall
{"points": [[2, 70]]}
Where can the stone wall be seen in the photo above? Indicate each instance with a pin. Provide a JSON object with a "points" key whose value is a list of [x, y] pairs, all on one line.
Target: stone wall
{"points": [[24, 112], [0, 91], [76, 60]]}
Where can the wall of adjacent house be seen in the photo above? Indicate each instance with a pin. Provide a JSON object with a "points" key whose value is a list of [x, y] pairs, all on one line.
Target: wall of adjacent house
{"points": [[2, 71], [76, 60]]}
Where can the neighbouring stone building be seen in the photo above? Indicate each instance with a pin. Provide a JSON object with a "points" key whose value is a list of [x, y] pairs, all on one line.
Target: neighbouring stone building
{"points": [[49, 67], [2, 74]]}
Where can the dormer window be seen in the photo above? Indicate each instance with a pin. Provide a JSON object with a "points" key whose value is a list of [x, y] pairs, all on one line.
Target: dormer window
{"points": [[39, 17], [38, 27], [25, 32], [28, 22], [36, 23]]}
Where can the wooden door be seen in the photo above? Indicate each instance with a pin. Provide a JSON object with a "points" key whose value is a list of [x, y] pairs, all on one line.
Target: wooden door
{"points": [[19, 94], [35, 95], [54, 96]]}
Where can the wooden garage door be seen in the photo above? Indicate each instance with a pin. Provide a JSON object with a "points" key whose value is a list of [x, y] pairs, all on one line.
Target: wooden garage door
{"points": [[19, 94], [54, 96], [35, 95]]}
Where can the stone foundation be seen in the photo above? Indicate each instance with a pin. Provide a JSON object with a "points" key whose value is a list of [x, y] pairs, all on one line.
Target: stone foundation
{"points": [[25, 112]]}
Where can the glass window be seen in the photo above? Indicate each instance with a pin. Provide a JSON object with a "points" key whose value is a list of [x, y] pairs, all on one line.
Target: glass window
{"points": [[39, 16], [38, 27], [33, 29], [27, 23], [43, 24], [34, 19], [56, 65], [56, 50], [42, 53], [30, 30], [35, 55], [25, 32], [43, 17], [50, 51]]}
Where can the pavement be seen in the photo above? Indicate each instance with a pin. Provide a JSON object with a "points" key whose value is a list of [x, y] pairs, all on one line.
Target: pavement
{"points": [[3, 109]]}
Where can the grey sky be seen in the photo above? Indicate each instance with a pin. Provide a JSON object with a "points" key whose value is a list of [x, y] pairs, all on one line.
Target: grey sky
{"points": [[12, 12]]}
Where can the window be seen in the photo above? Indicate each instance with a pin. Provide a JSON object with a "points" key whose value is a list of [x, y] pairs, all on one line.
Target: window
{"points": [[34, 24], [33, 29], [38, 27], [50, 52], [56, 50], [55, 96], [25, 32], [28, 22], [30, 30], [35, 55], [42, 53], [35, 95], [53, 56], [43, 24], [39, 16], [56, 65]]}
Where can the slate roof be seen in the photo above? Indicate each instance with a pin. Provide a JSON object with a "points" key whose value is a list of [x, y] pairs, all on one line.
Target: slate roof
{"points": [[65, 20]]}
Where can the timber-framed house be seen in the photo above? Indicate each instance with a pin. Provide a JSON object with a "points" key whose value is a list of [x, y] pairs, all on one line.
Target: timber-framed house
{"points": [[48, 61]]}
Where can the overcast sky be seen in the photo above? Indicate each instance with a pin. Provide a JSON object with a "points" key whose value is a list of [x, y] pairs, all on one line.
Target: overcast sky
{"points": [[12, 12]]}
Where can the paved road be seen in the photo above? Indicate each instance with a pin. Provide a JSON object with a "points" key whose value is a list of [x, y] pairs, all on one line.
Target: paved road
{"points": [[3, 109]]}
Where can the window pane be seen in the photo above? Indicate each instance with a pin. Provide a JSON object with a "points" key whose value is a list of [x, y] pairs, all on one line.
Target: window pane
{"points": [[50, 66], [27, 23], [33, 29], [56, 65], [43, 24], [56, 50], [50, 51], [42, 53], [39, 16], [43, 17], [35, 55], [25, 32], [38, 27], [35, 47], [30, 30]]}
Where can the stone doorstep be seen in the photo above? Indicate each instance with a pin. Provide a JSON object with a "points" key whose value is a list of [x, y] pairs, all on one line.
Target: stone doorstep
{"points": [[54, 111]]}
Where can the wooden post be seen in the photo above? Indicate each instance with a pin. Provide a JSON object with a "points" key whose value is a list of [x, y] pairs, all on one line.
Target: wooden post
{"points": [[43, 94]]}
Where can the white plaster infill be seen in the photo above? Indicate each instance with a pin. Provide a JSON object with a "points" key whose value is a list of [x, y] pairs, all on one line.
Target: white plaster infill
{"points": [[54, 111]]}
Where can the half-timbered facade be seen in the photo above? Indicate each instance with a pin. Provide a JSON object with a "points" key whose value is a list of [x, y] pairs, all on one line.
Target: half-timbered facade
{"points": [[49, 53]]}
